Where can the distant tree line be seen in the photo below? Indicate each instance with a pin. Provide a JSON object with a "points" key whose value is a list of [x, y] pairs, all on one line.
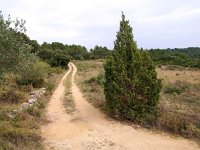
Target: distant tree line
{"points": [[57, 54], [16, 47], [187, 57]]}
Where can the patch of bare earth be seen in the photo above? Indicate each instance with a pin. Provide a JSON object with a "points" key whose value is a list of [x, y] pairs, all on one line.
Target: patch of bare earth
{"points": [[89, 129]]}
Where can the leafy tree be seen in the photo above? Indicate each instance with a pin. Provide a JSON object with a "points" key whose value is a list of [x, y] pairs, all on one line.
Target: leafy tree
{"points": [[57, 45], [34, 74], [46, 45], [187, 57], [131, 86], [77, 51], [100, 52], [59, 59], [17, 54], [14, 50], [54, 58]]}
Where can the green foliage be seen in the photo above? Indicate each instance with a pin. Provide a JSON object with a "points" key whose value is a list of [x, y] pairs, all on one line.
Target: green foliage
{"points": [[17, 53], [77, 52], [34, 74], [14, 51], [177, 88], [188, 57], [100, 52], [54, 58], [60, 59], [131, 86], [70, 51], [98, 80]]}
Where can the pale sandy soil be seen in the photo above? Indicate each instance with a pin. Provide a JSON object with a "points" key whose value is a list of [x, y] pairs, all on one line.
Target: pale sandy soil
{"points": [[90, 129]]}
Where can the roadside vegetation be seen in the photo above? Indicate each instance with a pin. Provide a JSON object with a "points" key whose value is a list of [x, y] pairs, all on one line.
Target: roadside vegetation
{"points": [[179, 103], [90, 78], [22, 72], [129, 88], [26, 66]]}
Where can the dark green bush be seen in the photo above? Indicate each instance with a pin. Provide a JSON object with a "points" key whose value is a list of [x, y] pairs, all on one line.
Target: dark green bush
{"points": [[98, 80], [131, 86], [54, 58]]}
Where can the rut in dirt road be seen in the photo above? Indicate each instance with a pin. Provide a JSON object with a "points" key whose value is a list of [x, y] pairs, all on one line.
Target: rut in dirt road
{"points": [[89, 129]]}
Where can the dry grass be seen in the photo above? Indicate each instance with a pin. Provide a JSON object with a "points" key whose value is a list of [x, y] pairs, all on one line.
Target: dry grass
{"points": [[23, 131], [91, 90], [179, 101], [184, 74]]}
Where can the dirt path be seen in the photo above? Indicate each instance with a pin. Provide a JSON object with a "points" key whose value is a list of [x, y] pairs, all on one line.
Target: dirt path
{"points": [[89, 129]]}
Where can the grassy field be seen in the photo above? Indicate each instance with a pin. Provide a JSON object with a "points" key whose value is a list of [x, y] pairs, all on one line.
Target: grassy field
{"points": [[23, 131], [179, 99]]}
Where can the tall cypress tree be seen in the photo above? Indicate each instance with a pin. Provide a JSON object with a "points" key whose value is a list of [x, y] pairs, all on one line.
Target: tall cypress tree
{"points": [[131, 86]]}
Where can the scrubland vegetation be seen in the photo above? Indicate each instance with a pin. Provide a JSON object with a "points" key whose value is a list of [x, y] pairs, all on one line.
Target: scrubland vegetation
{"points": [[129, 88], [127, 76], [21, 72], [179, 99]]}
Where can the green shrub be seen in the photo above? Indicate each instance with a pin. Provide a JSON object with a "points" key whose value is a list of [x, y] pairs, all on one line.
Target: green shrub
{"points": [[54, 58], [98, 80], [37, 109], [131, 86], [50, 86], [34, 74], [176, 88]]}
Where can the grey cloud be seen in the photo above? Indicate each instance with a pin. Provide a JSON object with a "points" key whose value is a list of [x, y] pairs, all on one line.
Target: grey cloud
{"points": [[156, 23]]}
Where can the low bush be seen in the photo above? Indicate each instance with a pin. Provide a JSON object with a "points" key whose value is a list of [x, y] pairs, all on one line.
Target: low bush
{"points": [[35, 74], [10, 91], [177, 123], [21, 132], [98, 80], [177, 113], [12, 95], [171, 121], [54, 58], [176, 88]]}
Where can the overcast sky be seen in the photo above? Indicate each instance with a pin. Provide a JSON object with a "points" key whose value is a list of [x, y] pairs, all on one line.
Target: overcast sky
{"points": [[156, 23]]}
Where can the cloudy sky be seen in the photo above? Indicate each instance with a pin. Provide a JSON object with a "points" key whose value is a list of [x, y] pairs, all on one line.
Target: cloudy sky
{"points": [[156, 23]]}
